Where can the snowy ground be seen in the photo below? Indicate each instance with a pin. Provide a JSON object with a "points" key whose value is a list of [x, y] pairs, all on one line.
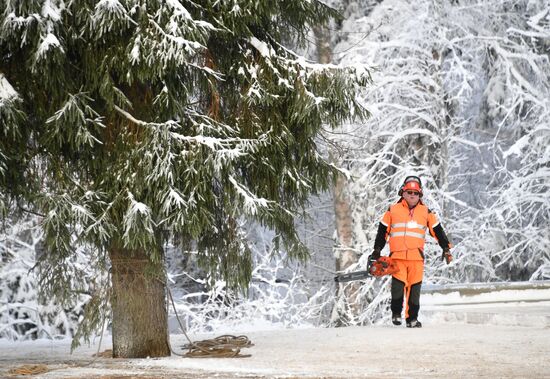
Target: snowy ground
{"points": [[509, 338], [437, 350]]}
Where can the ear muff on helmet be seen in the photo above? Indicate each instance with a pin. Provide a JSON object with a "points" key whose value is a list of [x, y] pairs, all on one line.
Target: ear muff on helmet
{"points": [[413, 182]]}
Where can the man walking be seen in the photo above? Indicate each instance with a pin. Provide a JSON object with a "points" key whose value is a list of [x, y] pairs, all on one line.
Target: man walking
{"points": [[405, 224]]}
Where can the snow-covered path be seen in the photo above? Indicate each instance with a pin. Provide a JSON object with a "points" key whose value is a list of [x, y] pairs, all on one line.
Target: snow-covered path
{"points": [[437, 350], [470, 331]]}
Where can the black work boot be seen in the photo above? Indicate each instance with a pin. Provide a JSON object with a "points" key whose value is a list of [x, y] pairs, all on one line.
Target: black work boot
{"points": [[396, 319], [414, 324]]}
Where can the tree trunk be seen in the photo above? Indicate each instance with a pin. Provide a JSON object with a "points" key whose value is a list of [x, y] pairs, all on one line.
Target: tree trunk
{"points": [[344, 226], [138, 300], [345, 256], [344, 222]]}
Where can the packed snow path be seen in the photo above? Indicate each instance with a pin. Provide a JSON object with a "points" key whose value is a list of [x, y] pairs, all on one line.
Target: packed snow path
{"points": [[436, 350]]}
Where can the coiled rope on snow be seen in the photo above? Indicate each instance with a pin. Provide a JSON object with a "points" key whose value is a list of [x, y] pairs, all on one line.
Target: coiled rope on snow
{"points": [[225, 346]]}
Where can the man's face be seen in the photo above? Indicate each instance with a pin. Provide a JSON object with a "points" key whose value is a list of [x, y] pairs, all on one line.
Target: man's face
{"points": [[411, 197]]}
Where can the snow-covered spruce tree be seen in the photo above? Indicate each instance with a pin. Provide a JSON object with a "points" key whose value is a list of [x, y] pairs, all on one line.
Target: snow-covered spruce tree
{"points": [[127, 121]]}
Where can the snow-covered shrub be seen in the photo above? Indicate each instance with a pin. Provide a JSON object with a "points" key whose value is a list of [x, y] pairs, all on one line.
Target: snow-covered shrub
{"points": [[279, 294], [25, 313]]}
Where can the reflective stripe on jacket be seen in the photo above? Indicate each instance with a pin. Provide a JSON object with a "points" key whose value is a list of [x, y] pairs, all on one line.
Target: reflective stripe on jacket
{"points": [[406, 229]]}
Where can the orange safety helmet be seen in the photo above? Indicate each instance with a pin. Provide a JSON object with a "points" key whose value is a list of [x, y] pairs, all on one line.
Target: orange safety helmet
{"points": [[412, 183], [383, 266]]}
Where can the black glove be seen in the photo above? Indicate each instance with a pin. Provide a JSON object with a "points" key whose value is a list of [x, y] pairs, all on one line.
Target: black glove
{"points": [[446, 256], [374, 256]]}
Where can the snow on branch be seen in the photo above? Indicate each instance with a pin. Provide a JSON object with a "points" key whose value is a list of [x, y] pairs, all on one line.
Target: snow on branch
{"points": [[416, 112], [226, 148], [174, 46], [48, 45], [81, 116], [10, 109], [51, 10], [252, 204], [7, 93], [24, 313], [110, 16], [278, 296], [541, 21], [19, 26], [181, 16], [300, 75], [139, 226], [263, 48]]}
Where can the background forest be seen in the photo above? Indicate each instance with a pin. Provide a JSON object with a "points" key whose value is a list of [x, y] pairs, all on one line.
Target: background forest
{"points": [[460, 96]]}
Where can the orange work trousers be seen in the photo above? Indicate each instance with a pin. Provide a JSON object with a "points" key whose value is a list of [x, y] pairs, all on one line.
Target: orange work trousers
{"points": [[405, 287]]}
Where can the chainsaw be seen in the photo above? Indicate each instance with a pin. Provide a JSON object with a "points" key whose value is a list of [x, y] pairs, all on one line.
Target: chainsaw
{"points": [[377, 268]]}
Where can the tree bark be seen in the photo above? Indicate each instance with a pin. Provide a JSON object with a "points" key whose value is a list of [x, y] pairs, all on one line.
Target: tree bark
{"points": [[344, 222], [345, 255], [344, 226], [138, 300]]}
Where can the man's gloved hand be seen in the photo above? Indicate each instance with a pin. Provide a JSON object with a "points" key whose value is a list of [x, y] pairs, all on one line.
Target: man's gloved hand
{"points": [[447, 256], [374, 256]]}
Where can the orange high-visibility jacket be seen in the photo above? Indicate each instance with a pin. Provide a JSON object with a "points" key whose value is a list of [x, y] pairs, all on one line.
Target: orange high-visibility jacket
{"points": [[406, 229]]}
